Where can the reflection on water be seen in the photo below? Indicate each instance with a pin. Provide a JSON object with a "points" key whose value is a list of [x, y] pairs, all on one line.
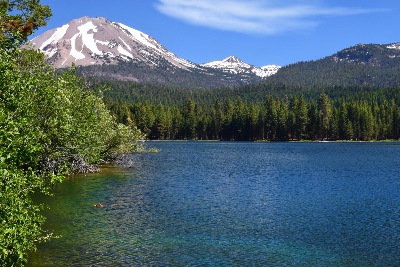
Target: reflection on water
{"points": [[233, 204]]}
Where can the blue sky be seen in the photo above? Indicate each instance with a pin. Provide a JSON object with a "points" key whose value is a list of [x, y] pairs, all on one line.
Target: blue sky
{"points": [[260, 32]]}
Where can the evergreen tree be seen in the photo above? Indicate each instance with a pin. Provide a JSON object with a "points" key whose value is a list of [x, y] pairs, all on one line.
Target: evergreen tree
{"points": [[189, 119], [325, 115]]}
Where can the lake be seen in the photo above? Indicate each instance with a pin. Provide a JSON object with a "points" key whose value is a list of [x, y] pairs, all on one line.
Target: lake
{"points": [[232, 204]]}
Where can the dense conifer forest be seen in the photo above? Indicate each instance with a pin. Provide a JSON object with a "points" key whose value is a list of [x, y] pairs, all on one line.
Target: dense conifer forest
{"points": [[258, 112]]}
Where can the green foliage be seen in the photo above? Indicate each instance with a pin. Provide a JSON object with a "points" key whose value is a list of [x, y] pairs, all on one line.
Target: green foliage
{"points": [[51, 124], [19, 19], [20, 217], [19, 151]]}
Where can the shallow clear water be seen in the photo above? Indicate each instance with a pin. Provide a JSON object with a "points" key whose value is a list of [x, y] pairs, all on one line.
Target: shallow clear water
{"points": [[233, 204]]}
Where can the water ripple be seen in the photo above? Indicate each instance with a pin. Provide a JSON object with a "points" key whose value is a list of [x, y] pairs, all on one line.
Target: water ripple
{"points": [[233, 204]]}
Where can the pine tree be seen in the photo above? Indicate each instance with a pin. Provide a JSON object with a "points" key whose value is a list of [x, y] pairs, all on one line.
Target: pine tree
{"points": [[325, 115]]}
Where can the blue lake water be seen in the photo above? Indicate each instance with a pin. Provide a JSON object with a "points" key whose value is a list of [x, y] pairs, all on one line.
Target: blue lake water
{"points": [[233, 204]]}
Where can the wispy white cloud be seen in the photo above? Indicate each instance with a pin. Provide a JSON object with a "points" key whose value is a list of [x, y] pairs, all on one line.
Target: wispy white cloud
{"points": [[251, 16]]}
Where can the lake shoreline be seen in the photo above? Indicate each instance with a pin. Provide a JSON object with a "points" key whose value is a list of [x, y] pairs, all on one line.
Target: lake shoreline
{"points": [[282, 141]]}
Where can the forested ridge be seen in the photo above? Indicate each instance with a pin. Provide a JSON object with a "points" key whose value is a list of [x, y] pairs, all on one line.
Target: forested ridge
{"points": [[258, 112], [372, 65], [51, 124]]}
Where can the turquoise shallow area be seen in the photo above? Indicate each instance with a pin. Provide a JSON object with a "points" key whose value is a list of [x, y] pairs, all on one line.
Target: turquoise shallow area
{"points": [[233, 204]]}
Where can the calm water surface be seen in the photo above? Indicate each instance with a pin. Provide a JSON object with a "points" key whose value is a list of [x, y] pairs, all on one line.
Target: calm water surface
{"points": [[233, 204]]}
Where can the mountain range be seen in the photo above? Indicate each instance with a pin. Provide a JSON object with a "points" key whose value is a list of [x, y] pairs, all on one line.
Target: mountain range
{"points": [[101, 47], [113, 51]]}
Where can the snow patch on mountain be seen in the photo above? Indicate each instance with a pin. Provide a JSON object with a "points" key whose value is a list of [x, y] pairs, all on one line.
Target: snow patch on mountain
{"points": [[140, 37], [394, 46], [267, 71], [58, 34], [86, 31], [126, 45]]}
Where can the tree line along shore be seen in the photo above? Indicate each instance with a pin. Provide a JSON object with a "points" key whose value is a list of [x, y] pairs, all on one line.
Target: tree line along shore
{"points": [[273, 119]]}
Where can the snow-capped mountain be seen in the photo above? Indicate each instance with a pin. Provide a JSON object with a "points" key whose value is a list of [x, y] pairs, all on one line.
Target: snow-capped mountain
{"points": [[234, 65], [112, 50], [88, 41]]}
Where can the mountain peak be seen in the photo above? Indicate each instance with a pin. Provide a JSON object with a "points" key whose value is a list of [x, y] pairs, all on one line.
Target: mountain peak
{"points": [[233, 60], [234, 65], [95, 41]]}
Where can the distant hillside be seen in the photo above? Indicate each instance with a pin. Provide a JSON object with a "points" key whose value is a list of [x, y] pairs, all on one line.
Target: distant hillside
{"points": [[361, 65], [163, 74]]}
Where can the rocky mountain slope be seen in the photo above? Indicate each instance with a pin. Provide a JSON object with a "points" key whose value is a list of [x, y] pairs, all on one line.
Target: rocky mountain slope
{"points": [[89, 41], [112, 50]]}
